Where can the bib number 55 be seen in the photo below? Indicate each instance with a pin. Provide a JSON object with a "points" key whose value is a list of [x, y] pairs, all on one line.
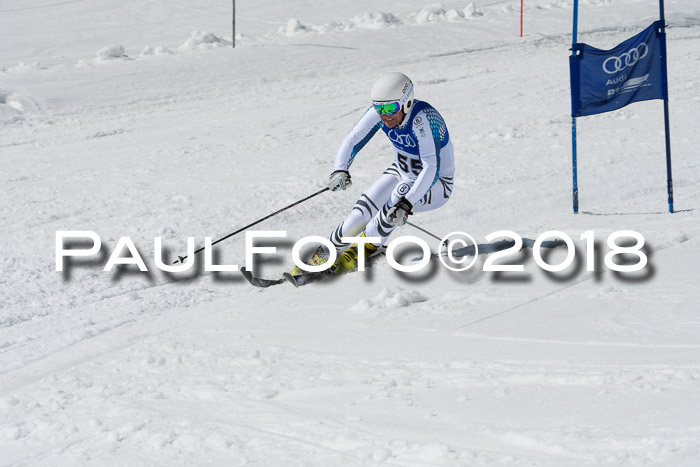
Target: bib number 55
{"points": [[416, 164]]}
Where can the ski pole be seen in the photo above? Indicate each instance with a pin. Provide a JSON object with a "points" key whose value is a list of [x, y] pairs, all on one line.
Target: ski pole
{"points": [[425, 231], [182, 258]]}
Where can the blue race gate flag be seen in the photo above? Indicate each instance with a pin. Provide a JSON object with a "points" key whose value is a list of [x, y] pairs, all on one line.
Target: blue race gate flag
{"points": [[605, 80]]}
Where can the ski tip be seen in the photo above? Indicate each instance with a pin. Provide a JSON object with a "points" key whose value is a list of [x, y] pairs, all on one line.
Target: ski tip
{"points": [[258, 282], [292, 280]]}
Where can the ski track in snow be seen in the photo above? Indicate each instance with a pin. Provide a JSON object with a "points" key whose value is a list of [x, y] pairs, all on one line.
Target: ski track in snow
{"points": [[289, 397], [144, 128]]}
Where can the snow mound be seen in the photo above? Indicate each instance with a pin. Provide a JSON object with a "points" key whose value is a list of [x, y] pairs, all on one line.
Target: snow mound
{"points": [[375, 20], [203, 39], [14, 107], [363, 21], [470, 11], [160, 50], [27, 67], [389, 299], [294, 26], [436, 12], [596, 2], [431, 13], [111, 53]]}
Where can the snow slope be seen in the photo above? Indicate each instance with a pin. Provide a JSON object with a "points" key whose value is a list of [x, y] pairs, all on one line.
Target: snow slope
{"points": [[139, 119]]}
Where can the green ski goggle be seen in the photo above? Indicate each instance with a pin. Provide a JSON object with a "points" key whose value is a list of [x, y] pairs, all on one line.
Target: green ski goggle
{"points": [[390, 108]]}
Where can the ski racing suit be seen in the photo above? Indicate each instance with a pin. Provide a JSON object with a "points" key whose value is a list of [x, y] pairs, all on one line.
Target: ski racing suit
{"points": [[422, 171]]}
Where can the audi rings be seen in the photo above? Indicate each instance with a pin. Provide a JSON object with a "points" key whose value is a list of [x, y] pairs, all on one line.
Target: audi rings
{"points": [[616, 64]]}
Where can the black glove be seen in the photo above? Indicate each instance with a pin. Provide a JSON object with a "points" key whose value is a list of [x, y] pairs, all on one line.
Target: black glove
{"points": [[340, 179], [398, 214]]}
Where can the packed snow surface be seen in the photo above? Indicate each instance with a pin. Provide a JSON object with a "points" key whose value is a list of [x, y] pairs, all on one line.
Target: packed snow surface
{"points": [[139, 119]]}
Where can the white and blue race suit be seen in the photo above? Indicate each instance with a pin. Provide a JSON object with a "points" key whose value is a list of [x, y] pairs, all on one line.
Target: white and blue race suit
{"points": [[422, 171]]}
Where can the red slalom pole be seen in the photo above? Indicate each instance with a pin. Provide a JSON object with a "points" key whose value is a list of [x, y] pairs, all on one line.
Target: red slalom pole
{"points": [[521, 17]]}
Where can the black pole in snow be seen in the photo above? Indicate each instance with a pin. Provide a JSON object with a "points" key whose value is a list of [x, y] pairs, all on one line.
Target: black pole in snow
{"points": [[667, 125]]}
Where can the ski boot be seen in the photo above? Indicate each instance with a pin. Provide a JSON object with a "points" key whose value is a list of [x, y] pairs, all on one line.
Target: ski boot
{"points": [[347, 262], [319, 257]]}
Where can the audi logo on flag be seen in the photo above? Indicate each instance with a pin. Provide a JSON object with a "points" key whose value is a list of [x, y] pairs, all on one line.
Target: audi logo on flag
{"points": [[616, 64]]}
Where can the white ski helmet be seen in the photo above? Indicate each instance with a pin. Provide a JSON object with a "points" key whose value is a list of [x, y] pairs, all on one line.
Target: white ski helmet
{"points": [[393, 87]]}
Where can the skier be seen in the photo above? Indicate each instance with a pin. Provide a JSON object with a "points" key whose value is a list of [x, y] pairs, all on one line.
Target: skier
{"points": [[420, 178]]}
